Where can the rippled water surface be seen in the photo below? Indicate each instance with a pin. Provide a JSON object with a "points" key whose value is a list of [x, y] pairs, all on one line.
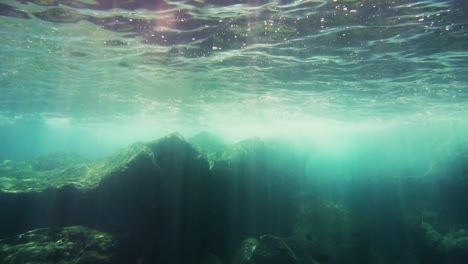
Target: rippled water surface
{"points": [[234, 65]]}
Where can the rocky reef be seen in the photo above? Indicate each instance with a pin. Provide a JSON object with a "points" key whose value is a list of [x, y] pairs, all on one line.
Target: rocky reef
{"points": [[253, 202], [72, 244], [151, 195]]}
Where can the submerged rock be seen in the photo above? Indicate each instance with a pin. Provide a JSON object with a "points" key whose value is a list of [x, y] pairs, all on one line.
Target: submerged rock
{"points": [[253, 185], [6, 166], [161, 197], [266, 250], [244, 253], [58, 170], [451, 246], [324, 224], [73, 244], [55, 161], [272, 250], [152, 195], [209, 145]]}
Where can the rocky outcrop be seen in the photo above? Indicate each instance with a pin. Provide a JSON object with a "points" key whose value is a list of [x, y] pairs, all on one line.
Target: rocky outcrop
{"points": [[253, 186], [266, 250], [151, 196], [164, 202], [438, 245], [73, 244], [160, 196], [209, 145]]}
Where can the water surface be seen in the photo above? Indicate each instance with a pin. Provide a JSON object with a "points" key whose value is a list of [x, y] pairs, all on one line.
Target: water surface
{"points": [[120, 71]]}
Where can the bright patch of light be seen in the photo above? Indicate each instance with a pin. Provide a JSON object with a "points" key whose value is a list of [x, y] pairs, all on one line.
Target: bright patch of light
{"points": [[57, 121]]}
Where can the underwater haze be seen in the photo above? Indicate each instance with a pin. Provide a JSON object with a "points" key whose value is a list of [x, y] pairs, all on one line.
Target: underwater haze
{"points": [[311, 131]]}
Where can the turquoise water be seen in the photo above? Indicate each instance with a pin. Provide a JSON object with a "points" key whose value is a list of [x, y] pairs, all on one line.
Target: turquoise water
{"points": [[235, 68], [86, 73], [368, 90]]}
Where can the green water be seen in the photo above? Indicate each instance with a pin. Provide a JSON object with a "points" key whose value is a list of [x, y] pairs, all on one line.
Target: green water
{"points": [[364, 103], [294, 69]]}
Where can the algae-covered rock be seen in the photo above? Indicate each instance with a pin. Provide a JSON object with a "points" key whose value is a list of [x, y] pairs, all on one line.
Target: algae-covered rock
{"points": [[55, 160], [77, 194], [6, 165], [153, 195], [452, 245], [55, 171], [245, 149], [272, 250], [244, 253], [10, 170], [456, 240], [73, 244], [266, 250]]}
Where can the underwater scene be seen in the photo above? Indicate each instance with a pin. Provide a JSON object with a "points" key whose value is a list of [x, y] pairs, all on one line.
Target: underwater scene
{"points": [[234, 131]]}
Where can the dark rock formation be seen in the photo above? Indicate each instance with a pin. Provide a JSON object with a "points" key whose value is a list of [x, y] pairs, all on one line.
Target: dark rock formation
{"points": [[253, 185], [272, 250], [163, 204], [151, 195], [438, 244], [160, 198], [266, 250], [322, 229], [75, 244]]}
